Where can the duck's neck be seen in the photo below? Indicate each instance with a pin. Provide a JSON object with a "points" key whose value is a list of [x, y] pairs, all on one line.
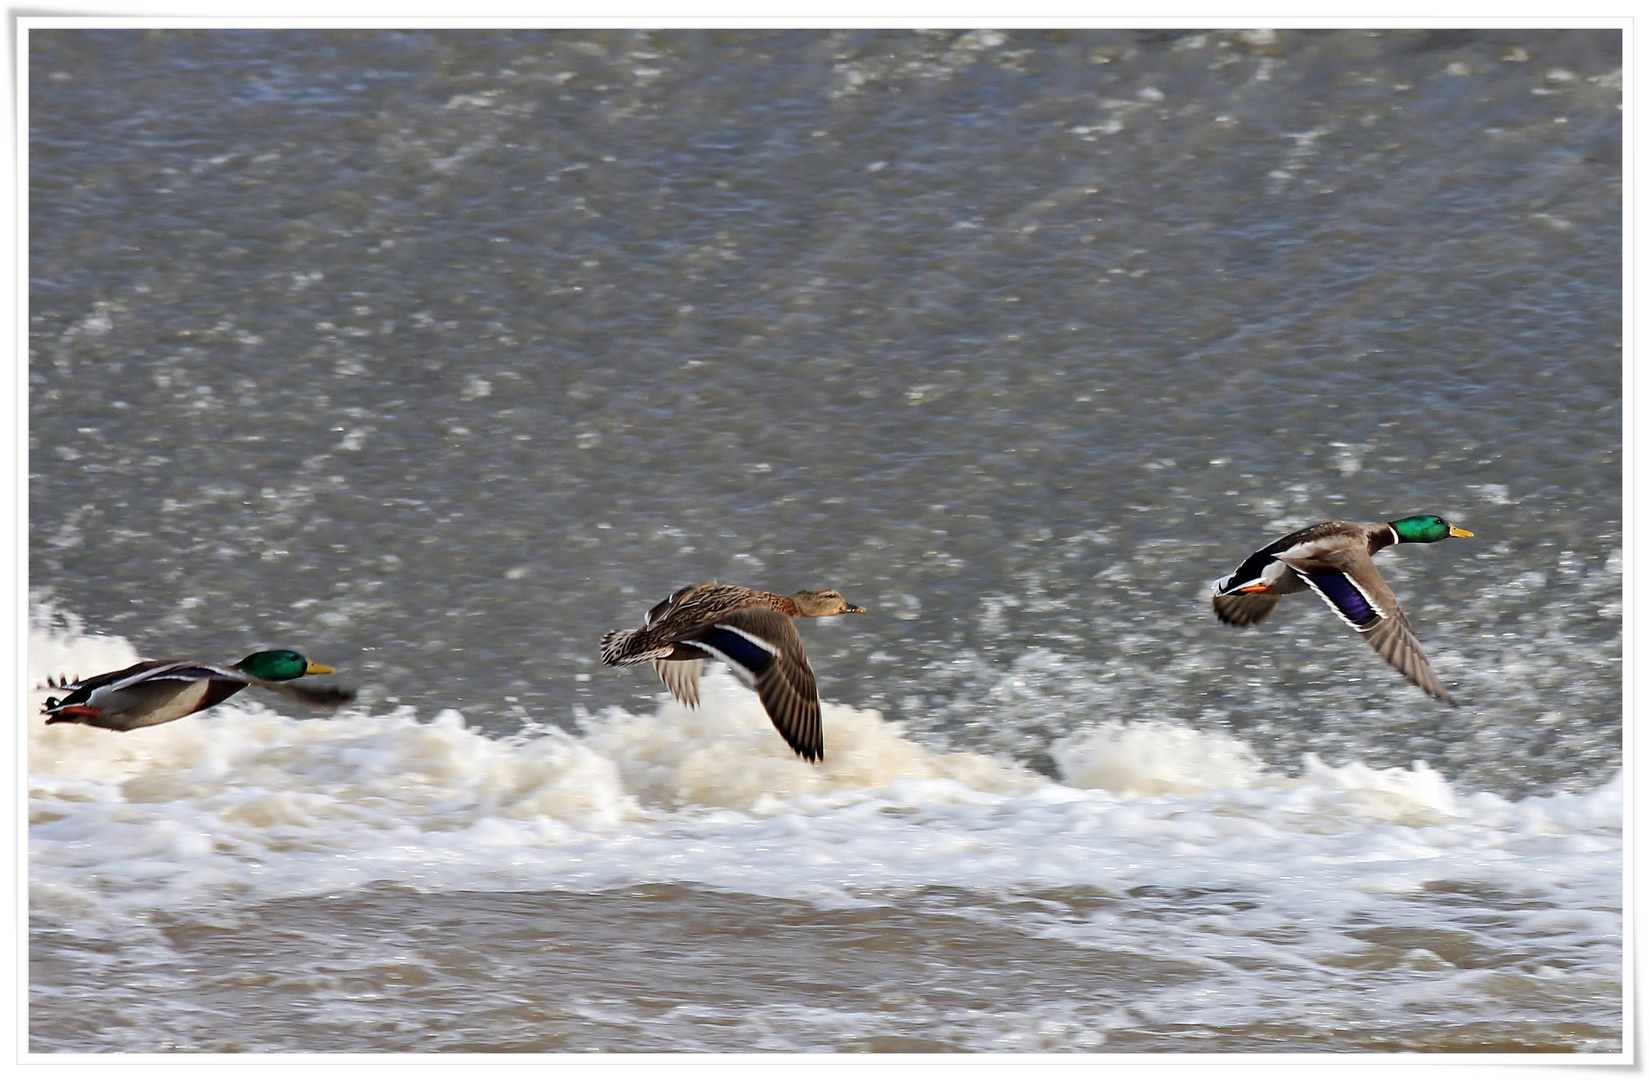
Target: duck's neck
{"points": [[784, 605], [1382, 537]]}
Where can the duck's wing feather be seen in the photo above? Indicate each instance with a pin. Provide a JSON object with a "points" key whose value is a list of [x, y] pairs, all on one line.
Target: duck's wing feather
{"points": [[1354, 590], [1349, 583], [668, 622], [657, 612], [187, 671], [681, 677], [138, 672], [1394, 640], [324, 695], [762, 646], [1244, 609]]}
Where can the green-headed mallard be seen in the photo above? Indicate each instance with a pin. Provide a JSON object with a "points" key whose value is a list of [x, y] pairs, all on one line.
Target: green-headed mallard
{"points": [[752, 633], [153, 692], [1334, 558]]}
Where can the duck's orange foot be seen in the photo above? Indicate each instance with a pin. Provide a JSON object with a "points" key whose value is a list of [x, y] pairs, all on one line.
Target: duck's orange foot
{"points": [[74, 712]]}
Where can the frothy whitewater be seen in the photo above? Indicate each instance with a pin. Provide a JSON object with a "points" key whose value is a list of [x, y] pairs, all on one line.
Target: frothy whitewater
{"points": [[1257, 906]]}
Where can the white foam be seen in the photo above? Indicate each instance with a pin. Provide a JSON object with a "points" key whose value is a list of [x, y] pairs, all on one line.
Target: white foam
{"points": [[1154, 758], [242, 802], [725, 754]]}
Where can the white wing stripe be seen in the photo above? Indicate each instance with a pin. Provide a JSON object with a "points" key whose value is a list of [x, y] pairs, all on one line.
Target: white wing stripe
{"points": [[178, 673], [765, 646], [733, 665], [738, 668]]}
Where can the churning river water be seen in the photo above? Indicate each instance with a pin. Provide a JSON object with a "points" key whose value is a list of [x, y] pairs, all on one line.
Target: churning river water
{"points": [[436, 354]]}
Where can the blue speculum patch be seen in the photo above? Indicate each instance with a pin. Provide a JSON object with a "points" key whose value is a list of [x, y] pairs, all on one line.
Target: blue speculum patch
{"points": [[739, 649], [1344, 595]]}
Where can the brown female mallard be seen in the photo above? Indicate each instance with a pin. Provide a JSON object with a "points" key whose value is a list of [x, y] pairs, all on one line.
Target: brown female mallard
{"points": [[751, 632]]}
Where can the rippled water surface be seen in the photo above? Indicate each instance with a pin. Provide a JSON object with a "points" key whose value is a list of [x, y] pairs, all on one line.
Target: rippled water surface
{"points": [[437, 354]]}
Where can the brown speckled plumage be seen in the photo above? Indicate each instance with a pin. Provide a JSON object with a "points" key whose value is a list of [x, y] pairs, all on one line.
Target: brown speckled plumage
{"points": [[749, 629]]}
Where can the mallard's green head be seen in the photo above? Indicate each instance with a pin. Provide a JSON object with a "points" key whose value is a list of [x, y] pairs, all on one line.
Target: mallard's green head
{"points": [[279, 665], [1425, 529]]}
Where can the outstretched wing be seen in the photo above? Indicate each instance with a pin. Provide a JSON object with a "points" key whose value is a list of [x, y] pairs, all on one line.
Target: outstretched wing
{"points": [[1354, 590], [1393, 638], [326, 696], [762, 646]]}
